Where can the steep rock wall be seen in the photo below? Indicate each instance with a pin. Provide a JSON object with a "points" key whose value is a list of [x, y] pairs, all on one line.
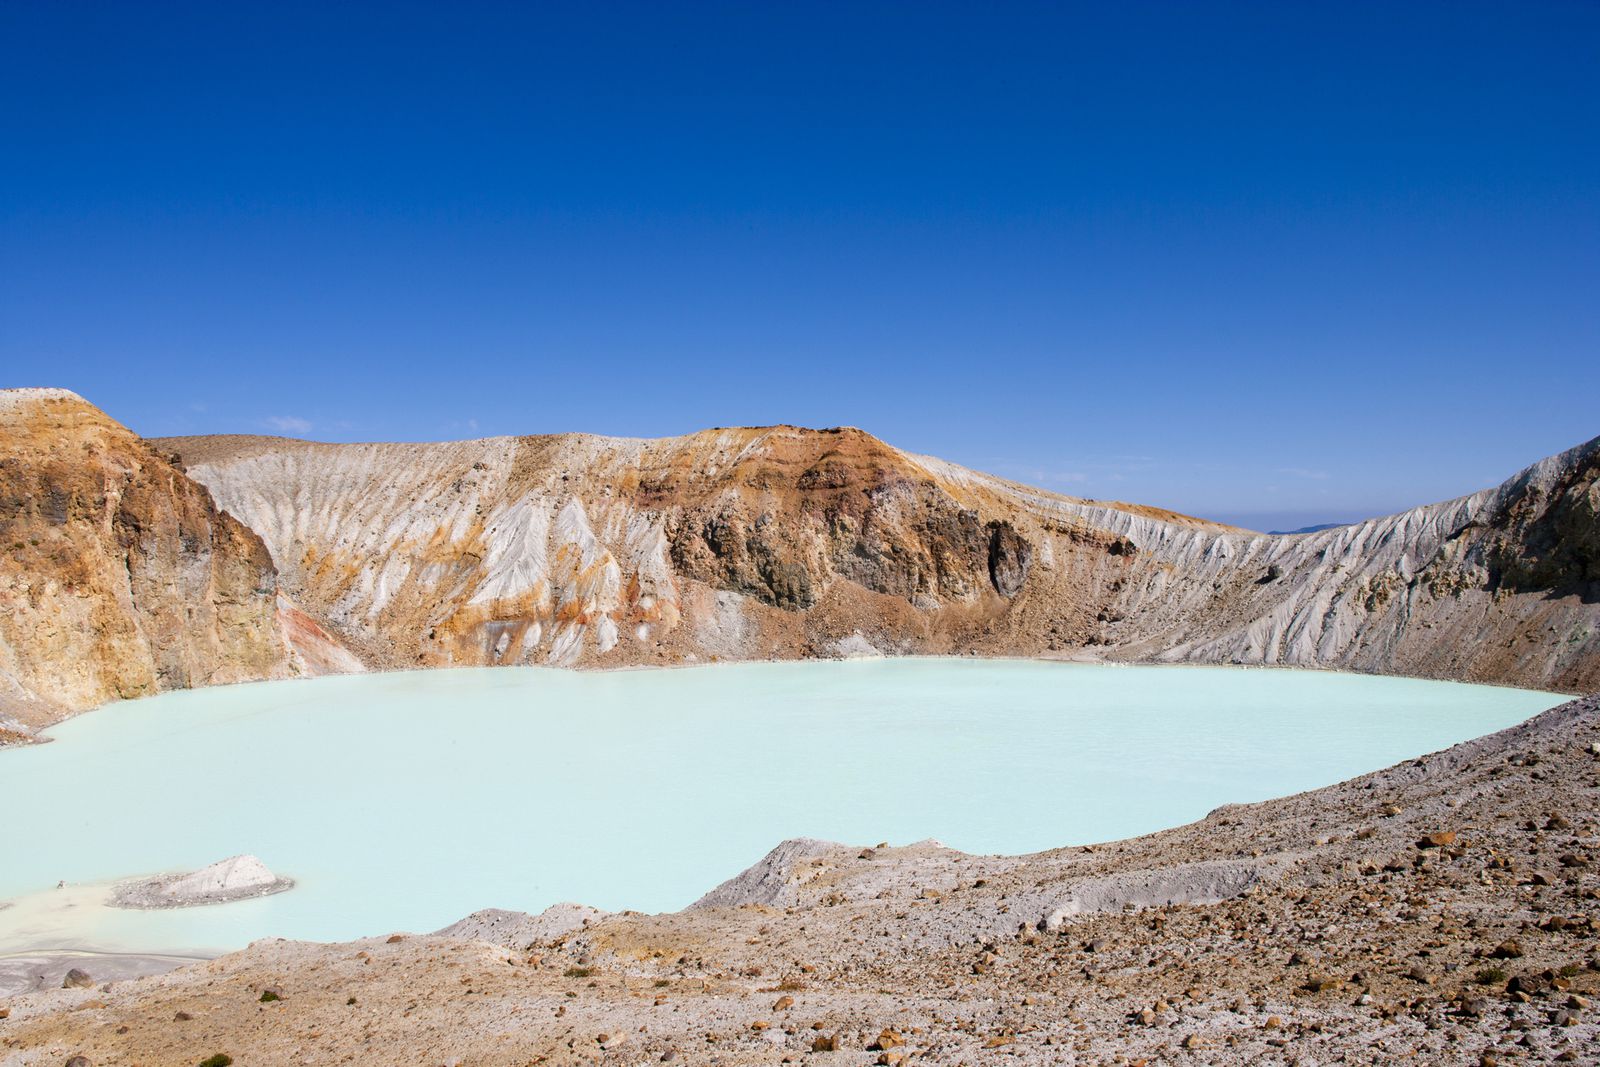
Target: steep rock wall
{"points": [[1500, 586], [578, 549], [131, 567], [742, 543], [118, 576]]}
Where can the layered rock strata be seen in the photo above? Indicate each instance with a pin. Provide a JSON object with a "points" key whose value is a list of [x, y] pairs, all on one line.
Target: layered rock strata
{"points": [[783, 542], [120, 577]]}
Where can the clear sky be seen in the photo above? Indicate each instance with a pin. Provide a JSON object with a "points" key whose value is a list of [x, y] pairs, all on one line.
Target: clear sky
{"points": [[1276, 263]]}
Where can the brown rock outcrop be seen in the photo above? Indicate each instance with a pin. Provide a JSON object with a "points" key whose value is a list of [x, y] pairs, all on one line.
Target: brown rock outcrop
{"points": [[119, 576]]}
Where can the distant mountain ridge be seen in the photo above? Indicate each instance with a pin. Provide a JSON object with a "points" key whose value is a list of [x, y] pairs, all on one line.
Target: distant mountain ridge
{"points": [[1308, 529], [771, 542]]}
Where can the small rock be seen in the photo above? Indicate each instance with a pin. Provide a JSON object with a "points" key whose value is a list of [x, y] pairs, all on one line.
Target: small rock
{"points": [[886, 1040], [78, 1061], [1525, 984], [825, 1043], [1507, 950], [1438, 839], [783, 1003], [77, 979], [891, 1058], [998, 1040]]}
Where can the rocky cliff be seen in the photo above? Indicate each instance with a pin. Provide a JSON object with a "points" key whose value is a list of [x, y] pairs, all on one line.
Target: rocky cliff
{"points": [[723, 544], [780, 541], [131, 567], [119, 577]]}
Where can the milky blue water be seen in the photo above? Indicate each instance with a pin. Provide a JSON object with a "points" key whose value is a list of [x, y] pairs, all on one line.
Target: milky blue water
{"points": [[405, 801]]}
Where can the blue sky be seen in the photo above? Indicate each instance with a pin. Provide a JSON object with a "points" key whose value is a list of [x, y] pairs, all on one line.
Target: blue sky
{"points": [[1272, 263]]}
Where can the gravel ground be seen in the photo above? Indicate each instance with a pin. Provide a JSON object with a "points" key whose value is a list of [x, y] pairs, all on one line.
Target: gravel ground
{"points": [[1440, 911]]}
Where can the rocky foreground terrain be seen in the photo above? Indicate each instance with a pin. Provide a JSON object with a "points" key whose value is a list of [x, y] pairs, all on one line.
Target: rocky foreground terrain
{"points": [[136, 566], [1442, 911]]}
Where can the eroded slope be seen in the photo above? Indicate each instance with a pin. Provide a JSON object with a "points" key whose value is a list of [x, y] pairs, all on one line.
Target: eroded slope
{"points": [[119, 576], [783, 542]]}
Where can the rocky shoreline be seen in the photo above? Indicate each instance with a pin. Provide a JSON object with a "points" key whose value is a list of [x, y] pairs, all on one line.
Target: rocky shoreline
{"points": [[1445, 910]]}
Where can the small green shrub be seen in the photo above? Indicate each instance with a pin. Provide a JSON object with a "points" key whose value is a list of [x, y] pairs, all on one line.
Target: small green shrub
{"points": [[269, 996], [221, 1059], [662, 983], [577, 972], [1491, 976]]}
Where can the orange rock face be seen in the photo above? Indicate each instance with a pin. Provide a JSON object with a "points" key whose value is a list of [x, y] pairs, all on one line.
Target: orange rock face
{"points": [[118, 577]]}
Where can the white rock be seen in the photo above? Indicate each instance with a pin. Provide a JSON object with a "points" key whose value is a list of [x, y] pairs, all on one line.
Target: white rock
{"points": [[854, 647], [225, 876], [235, 878]]}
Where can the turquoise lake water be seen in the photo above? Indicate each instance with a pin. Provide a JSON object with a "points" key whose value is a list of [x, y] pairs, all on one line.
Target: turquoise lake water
{"points": [[405, 801]]}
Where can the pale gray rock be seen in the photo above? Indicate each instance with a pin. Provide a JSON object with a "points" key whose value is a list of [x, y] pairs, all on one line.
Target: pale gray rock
{"points": [[1188, 883], [854, 646], [520, 930], [773, 879], [235, 878]]}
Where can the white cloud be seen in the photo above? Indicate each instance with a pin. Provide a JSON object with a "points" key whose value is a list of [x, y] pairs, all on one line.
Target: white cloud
{"points": [[288, 423]]}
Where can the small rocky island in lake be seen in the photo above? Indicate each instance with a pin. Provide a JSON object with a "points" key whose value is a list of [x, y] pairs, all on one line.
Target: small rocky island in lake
{"points": [[235, 878]]}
